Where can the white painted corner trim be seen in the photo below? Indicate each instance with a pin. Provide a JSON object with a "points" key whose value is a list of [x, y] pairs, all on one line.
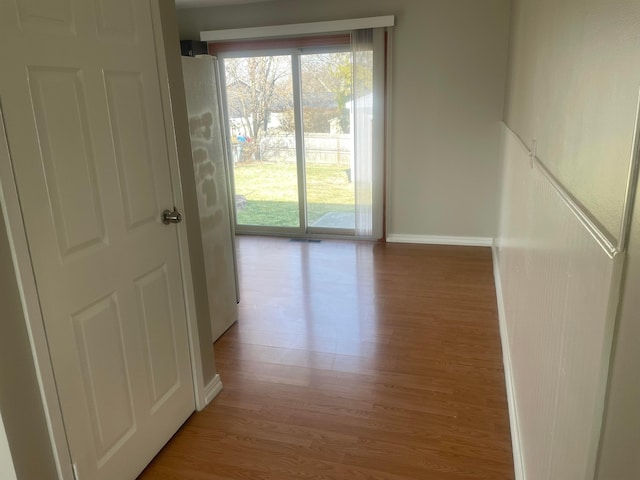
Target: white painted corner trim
{"points": [[516, 444], [297, 29], [211, 391], [441, 240]]}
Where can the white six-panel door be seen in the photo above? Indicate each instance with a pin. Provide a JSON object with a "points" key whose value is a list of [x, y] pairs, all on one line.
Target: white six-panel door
{"points": [[80, 94]]}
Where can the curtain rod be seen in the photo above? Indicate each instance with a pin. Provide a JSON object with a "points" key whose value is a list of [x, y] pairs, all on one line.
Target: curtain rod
{"points": [[297, 29]]}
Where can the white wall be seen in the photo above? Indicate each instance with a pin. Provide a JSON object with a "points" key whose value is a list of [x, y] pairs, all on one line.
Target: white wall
{"points": [[556, 285], [449, 67], [573, 85]]}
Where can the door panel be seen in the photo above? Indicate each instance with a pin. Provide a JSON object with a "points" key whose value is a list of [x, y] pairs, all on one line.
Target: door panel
{"points": [[101, 350], [132, 146], [154, 305], [260, 99], [86, 131], [325, 80], [115, 20], [65, 145], [52, 16]]}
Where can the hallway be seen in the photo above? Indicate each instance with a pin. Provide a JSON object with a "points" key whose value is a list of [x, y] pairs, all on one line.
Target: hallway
{"points": [[354, 361]]}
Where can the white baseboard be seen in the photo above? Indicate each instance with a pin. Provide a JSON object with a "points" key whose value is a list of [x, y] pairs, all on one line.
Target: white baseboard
{"points": [[441, 240], [212, 390], [516, 445]]}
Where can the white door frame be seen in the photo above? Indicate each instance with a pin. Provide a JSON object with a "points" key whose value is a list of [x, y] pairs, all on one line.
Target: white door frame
{"points": [[25, 278], [203, 393]]}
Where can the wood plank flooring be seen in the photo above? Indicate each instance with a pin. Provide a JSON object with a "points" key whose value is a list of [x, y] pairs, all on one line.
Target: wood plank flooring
{"points": [[354, 361]]}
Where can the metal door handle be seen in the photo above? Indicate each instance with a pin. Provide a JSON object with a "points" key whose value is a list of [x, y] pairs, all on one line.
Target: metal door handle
{"points": [[169, 217]]}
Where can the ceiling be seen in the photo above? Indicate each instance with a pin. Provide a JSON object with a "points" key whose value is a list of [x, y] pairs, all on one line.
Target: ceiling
{"points": [[211, 3]]}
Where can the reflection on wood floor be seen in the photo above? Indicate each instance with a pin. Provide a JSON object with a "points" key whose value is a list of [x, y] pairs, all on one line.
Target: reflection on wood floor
{"points": [[354, 361]]}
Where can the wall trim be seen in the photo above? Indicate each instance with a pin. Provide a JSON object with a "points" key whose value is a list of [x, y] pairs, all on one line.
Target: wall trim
{"points": [[516, 445], [440, 240], [599, 233], [211, 391]]}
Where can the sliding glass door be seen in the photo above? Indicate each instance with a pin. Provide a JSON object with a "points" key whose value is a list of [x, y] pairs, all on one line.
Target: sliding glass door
{"points": [[260, 106], [296, 154], [326, 81]]}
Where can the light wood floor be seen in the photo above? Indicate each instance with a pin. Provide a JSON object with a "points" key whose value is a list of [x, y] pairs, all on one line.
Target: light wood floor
{"points": [[354, 361]]}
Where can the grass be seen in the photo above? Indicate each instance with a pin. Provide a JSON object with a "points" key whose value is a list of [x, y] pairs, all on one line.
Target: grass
{"points": [[270, 190]]}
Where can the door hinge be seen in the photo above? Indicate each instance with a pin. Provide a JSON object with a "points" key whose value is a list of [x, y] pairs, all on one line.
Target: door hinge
{"points": [[75, 471]]}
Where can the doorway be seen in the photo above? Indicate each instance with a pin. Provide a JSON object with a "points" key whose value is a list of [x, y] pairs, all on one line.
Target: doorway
{"points": [[291, 117]]}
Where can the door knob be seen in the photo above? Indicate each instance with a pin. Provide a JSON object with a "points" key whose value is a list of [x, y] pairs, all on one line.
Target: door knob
{"points": [[169, 217]]}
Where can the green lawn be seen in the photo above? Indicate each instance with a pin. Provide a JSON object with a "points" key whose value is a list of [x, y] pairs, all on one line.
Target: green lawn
{"points": [[271, 193]]}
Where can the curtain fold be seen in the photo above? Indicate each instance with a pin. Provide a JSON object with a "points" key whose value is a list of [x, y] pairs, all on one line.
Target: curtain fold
{"points": [[368, 130]]}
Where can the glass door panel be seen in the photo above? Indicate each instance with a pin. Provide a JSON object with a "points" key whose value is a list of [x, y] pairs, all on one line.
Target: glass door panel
{"points": [[260, 108], [328, 142]]}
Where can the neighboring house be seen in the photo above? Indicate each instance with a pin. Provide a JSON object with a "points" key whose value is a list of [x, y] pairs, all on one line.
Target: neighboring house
{"points": [[445, 168]]}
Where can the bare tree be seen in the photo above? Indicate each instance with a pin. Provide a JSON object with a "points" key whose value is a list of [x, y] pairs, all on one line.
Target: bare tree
{"points": [[256, 88], [331, 73], [260, 86]]}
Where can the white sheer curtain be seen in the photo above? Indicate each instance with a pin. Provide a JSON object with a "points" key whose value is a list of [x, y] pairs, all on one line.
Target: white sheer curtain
{"points": [[368, 130]]}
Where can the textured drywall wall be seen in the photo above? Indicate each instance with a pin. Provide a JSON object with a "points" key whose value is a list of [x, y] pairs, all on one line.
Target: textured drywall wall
{"points": [[449, 69], [573, 86], [556, 284]]}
